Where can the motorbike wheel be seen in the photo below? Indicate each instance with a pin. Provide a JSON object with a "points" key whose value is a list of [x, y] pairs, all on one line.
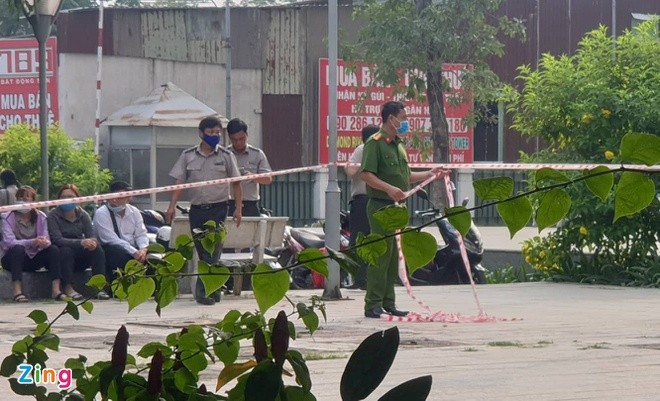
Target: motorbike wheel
{"points": [[479, 277]]}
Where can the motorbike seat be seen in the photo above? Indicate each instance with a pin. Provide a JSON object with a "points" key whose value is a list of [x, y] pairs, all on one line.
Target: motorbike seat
{"points": [[307, 239]]}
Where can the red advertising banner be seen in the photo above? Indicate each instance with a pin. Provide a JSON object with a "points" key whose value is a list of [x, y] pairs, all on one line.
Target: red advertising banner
{"points": [[19, 82], [352, 116]]}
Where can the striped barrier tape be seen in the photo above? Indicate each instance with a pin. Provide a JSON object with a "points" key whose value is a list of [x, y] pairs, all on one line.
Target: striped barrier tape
{"points": [[439, 316]]}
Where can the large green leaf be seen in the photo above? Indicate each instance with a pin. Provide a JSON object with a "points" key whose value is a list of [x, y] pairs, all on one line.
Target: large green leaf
{"points": [[550, 174], [270, 288], [460, 218], [392, 218], [227, 351], [308, 316], [600, 185], [346, 260], [314, 259], [97, 281], [264, 382], [641, 148], [140, 291], [419, 249], [515, 213], [10, 364], [368, 365], [299, 365], [167, 292], [195, 361], [176, 261], [496, 188], [374, 250], [295, 393], [634, 192], [213, 277], [554, 205], [38, 316], [413, 390]]}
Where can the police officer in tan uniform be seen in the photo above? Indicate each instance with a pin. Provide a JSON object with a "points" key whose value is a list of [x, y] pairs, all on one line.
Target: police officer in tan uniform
{"points": [[251, 160], [207, 161]]}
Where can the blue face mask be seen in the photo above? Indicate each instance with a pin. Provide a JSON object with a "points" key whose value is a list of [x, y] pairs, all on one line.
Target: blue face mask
{"points": [[68, 207], [404, 127], [117, 209], [211, 140]]}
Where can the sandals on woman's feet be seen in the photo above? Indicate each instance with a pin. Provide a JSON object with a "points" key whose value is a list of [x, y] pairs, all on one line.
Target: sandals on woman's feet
{"points": [[75, 296], [21, 298], [60, 297]]}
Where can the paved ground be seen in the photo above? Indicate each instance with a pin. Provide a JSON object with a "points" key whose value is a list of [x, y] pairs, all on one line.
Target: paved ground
{"points": [[574, 342]]}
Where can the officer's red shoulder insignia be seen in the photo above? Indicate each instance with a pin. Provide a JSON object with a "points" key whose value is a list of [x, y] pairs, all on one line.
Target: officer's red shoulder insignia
{"points": [[377, 136]]}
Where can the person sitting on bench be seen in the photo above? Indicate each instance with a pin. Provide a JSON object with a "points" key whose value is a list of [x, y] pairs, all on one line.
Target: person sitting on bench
{"points": [[26, 245]]}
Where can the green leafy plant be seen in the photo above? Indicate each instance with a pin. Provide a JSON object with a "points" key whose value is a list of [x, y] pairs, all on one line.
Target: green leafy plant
{"points": [[68, 161], [584, 108]]}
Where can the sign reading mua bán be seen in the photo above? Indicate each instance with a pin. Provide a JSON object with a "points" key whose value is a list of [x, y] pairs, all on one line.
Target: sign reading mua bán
{"points": [[359, 103], [19, 82]]}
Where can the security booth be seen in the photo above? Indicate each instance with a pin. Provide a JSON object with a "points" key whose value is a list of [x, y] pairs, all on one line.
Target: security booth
{"points": [[147, 137]]}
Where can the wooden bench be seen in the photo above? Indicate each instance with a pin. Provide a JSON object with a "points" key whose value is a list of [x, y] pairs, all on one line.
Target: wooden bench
{"points": [[256, 233]]}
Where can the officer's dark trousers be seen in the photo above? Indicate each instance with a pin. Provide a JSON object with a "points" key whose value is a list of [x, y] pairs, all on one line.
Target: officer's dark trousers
{"points": [[76, 258], [381, 278], [197, 219], [359, 223]]}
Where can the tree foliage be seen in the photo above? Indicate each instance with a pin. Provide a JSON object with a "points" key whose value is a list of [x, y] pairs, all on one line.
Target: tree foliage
{"points": [[583, 106], [417, 37], [68, 161]]}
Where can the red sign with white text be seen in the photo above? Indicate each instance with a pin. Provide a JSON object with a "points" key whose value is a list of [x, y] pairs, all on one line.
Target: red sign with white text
{"points": [[19, 82], [353, 83]]}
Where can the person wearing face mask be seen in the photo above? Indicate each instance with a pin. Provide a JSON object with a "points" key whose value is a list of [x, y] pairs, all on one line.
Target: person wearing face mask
{"points": [[387, 175], [121, 231], [27, 247], [203, 162], [70, 228]]}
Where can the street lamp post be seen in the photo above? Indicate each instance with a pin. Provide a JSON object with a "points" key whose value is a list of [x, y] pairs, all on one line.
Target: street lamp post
{"points": [[41, 14]]}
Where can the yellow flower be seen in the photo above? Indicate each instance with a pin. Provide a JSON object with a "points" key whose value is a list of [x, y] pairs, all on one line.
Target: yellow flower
{"points": [[609, 155], [541, 255], [606, 113], [528, 259], [584, 230], [586, 118]]}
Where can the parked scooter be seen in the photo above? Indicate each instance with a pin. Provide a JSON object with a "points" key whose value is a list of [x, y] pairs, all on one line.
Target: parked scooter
{"points": [[298, 239], [447, 266]]}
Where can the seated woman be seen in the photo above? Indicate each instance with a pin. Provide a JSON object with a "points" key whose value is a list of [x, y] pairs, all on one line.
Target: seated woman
{"points": [[70, 229], [26, 245]]}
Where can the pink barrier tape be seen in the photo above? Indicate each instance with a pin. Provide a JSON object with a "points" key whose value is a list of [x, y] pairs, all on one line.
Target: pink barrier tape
{"points": [[429, 315], [523, 166], [148, 191]]}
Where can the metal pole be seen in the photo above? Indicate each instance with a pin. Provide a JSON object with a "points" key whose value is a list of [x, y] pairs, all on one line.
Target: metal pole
{"points": [[228, 61], [500, 131], [42, 31], [99, 58], [614, 24], [332, 193]]}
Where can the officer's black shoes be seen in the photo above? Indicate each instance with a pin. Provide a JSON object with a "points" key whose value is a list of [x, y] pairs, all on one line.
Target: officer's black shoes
{"points": [[205, 301], [392, 310], [217, 295], [375, 312]]}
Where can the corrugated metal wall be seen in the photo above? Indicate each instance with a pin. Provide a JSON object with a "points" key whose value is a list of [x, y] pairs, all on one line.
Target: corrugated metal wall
{"points": [[284, 53]]}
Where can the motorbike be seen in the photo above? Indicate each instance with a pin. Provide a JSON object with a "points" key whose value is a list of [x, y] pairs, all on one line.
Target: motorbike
{"points": [[296, 240], [447, 266]]}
